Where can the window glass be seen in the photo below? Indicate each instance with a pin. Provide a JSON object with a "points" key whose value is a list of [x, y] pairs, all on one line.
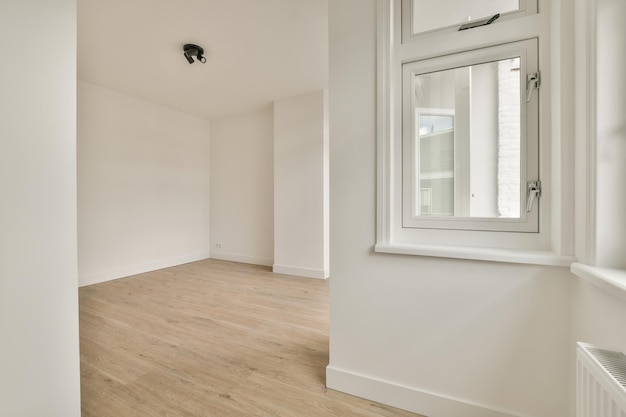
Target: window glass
{"points": [[430, 15], [480, 177]]}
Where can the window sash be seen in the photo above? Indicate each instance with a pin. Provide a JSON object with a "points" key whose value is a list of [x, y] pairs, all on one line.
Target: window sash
{"points": [[526, 7], [529, 140]]}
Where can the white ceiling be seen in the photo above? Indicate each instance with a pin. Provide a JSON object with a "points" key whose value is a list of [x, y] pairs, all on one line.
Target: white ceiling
{"points": [[256, 50]]}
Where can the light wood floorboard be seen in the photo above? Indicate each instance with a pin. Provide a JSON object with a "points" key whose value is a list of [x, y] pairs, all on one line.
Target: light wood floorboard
{"points": [[210, 338]]}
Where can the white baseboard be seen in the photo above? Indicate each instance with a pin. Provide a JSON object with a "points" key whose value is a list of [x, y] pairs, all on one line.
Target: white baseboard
{"points": [[233, 257], [300, 272], [98, 277], [408, 398]]}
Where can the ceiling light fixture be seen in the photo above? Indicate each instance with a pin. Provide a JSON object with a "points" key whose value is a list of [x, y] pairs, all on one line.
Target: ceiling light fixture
{"points": [[191, 50]]}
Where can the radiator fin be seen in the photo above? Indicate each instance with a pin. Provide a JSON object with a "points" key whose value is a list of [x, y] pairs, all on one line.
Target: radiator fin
{"points": [[613, 362], [601, 382]]}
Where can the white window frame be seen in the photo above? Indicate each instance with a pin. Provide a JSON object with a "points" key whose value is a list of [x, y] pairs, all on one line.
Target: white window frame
{"points": [[549, 246], [529, 123]]}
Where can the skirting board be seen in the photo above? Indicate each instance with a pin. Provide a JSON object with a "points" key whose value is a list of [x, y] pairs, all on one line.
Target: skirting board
{"points": [[233, 257], [99, 277], [300, 272], [408, 398]]}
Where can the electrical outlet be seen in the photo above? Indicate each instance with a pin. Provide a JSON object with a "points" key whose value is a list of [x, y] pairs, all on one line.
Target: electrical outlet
{"points": [[218, 245]]}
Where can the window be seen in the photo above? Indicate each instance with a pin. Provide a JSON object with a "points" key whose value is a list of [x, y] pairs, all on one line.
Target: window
{"points": [[470, 137], [461, 134]]}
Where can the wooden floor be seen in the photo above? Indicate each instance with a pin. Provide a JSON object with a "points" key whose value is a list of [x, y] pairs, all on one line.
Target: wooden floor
{"points": [[210, 338]]}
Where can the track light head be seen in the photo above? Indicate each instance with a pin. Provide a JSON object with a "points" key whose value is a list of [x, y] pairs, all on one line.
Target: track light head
{"points": [[190, 50]]}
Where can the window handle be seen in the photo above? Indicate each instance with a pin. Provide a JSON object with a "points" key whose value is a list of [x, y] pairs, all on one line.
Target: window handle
{"points": [[534, 192], [481, 22], [533, 82]]}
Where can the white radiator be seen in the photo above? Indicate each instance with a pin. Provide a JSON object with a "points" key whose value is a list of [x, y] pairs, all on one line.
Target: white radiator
{"points": [[600, 382]]}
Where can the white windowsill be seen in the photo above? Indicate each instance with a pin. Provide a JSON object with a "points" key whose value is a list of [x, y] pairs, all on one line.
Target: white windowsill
{"points": [[610, 280], [480, 254]]}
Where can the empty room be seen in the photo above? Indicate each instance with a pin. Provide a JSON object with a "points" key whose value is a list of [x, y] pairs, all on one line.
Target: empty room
{"points": [[313, 208]]}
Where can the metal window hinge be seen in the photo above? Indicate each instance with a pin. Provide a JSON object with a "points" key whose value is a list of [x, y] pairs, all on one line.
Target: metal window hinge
{"points": [[534, 192], [533, 81]]}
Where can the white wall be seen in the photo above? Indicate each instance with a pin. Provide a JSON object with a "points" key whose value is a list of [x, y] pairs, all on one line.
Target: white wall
{"points": [[301, 186], [443, 337], [143, 185], [611, 134], [242, 187], [39, 358], [598, 316]]}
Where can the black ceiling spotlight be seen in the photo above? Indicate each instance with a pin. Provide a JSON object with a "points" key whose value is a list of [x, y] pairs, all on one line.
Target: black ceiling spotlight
{"points": [[192, 50]]}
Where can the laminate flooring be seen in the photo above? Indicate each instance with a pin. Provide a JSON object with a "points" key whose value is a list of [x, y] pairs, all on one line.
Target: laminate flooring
{"points": [[210, 338]]}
